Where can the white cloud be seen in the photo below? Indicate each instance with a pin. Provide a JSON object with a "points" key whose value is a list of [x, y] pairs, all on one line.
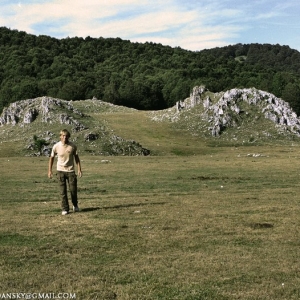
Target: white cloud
{"points": [[192, 24]]}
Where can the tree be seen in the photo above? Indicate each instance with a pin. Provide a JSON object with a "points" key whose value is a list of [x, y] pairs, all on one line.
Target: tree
{"points": [[26, 89], [71, 91], [111, 93], [146, 76], [291, 94]]}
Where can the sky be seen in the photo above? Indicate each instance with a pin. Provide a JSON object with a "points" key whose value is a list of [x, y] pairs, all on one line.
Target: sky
{"points": [[189, 24]]}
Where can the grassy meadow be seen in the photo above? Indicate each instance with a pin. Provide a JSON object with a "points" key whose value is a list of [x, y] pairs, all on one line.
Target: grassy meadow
{"points": [[192, 221]]}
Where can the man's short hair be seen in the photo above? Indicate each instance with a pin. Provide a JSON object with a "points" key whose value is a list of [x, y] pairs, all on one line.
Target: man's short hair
{"points": [[65, 132]]}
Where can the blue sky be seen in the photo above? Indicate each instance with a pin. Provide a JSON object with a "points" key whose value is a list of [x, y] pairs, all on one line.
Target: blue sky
{"points": [[190, 24]]}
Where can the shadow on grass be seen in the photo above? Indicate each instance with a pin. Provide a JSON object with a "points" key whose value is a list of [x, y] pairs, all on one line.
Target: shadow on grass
{"points": [[90, 209], [121, 206]]}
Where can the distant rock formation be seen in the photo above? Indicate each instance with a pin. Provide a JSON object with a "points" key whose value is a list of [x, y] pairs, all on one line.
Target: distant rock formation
{"points": [[273, 108], [221, 114], [193, 100], [49, 109]]}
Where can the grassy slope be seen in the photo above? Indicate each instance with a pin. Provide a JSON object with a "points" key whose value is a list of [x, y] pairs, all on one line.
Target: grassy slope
{"points": [[161, 138], [188, 136], [219, 224]]}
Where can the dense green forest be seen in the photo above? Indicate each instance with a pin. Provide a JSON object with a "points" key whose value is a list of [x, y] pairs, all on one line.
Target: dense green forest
{"points": [[139, 75]]}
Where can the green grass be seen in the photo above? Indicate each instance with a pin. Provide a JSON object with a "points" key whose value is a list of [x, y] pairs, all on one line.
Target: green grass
{"points": [[212, 226], [200, 218]]}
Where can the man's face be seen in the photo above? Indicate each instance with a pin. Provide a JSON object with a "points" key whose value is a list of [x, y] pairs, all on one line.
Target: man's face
{"points": [[64, 138]]}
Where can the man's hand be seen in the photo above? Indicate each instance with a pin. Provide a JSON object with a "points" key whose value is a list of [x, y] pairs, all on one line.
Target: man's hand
{"points": [[77, 160], [51, 160]]}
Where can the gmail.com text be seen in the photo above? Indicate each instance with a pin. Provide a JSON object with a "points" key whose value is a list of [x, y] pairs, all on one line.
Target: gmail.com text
{"points": [[34, 296]]}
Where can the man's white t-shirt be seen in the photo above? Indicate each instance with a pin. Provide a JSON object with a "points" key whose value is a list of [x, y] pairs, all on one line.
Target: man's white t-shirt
{"points": [[65, 156]]}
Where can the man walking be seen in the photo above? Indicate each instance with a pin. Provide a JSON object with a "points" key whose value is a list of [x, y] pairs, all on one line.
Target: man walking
{"points": [[66, 152]]}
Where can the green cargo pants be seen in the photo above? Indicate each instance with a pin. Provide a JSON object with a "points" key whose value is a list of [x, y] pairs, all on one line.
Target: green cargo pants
{"points": [[71, 178]]}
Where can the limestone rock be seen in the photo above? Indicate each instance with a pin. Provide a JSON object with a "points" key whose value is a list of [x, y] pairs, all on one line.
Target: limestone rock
{"points": [[26, 111], [227, 107], [273, 108], [30, 116]]}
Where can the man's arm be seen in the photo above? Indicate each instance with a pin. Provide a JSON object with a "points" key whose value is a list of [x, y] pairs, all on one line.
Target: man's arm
{"points": [[51, 160], [77, 160]]}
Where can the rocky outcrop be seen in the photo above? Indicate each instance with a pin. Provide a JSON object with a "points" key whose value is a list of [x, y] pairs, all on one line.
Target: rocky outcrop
{"points": [[53, 111], [221, 110], [193, 100], [275, 109], [30, 116], [50, 110]]}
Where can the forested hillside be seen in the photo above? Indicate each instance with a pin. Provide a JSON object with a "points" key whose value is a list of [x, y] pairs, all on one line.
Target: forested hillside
{"points": [[144, 76]]}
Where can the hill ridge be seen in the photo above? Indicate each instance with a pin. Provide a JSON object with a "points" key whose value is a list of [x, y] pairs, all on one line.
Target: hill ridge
{"points": [[46, 112], [234, 115], [226, 109]]}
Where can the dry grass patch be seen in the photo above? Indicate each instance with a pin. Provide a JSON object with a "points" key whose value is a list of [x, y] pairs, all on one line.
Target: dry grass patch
{"points": [[219, 226]]}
